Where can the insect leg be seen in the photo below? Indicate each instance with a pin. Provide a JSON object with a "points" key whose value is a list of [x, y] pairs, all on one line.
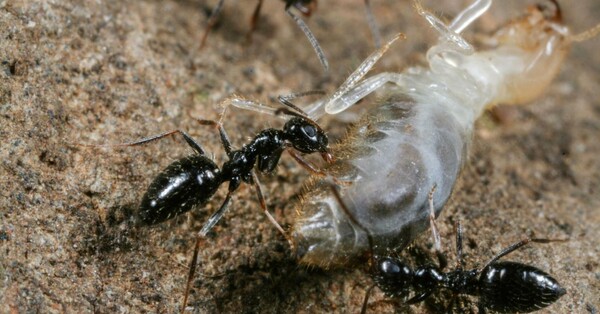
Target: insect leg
{"points": [[460, 263], [446, 32], [254, 20], [587, 34], [212, 220], [251, 105], [468, 15], [286, 101], [263, 205], [373, 24], [363, 309], [212, 20], [224, 138], [334, 104], [434, 229], [311, 38], [193, 144], [515, 246]]}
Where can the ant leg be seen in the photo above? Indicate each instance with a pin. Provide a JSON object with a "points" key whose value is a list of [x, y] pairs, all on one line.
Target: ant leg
{"points": [[515, 246], [254, 21], [468, 15], [373, 24], [263, 205], [363, 309], [212, 20], [419, 297], [212, 220], [224, 138], [193, 144], [434, 229], [311, 38], [460, 263]]}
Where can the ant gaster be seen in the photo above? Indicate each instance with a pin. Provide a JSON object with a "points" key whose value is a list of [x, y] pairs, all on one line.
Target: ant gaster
{"points": [[505, 287]]}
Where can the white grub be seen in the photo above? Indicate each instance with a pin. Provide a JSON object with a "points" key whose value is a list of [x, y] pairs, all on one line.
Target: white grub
{"points": [[418, 138]]}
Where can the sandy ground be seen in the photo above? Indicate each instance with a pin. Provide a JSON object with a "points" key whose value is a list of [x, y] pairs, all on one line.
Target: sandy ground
{"points": [[113, 71]]}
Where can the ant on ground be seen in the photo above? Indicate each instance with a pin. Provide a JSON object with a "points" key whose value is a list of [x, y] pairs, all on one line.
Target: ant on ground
{"points": [[502, 286], [191, 181]]}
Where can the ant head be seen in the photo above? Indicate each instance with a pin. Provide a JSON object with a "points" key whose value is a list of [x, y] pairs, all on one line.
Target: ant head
{"points": [[306, 136], [392, 276]]}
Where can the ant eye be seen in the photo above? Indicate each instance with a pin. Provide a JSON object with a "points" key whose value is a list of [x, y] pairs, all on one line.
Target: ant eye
{"points": [[309, 130]]}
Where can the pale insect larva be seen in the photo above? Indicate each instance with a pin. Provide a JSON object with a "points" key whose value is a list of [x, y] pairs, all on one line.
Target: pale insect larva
{"points": [[418, 138]]}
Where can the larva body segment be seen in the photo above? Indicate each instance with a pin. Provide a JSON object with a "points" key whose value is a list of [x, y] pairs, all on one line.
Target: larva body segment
{"points": [[418, 138]]}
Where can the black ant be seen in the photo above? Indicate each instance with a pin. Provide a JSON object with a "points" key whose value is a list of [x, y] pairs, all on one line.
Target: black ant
{"points": [[506, 287], [193, 180]]}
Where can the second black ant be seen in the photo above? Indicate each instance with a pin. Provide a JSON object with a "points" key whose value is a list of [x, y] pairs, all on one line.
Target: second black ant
{"points": [[502, 286], [505, 287]]}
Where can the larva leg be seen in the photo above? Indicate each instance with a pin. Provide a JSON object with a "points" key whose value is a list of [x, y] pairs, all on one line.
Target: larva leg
{"points": [[333, 105], [250, 105], [468, 15], [364, 88], [445, 31]]}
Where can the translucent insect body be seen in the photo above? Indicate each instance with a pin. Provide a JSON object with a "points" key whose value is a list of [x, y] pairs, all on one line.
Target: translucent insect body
{"points": [[418, 138]]}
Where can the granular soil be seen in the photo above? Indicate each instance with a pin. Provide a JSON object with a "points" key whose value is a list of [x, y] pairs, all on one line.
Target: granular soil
{"points": [[99, 72]]}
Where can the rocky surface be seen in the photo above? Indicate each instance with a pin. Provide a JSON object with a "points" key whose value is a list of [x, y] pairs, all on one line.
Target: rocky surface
{"points": [[113, 71]]}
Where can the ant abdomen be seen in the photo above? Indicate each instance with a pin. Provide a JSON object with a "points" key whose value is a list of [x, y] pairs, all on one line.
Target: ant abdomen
{"points": [[183, 185], [509, 287]]}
